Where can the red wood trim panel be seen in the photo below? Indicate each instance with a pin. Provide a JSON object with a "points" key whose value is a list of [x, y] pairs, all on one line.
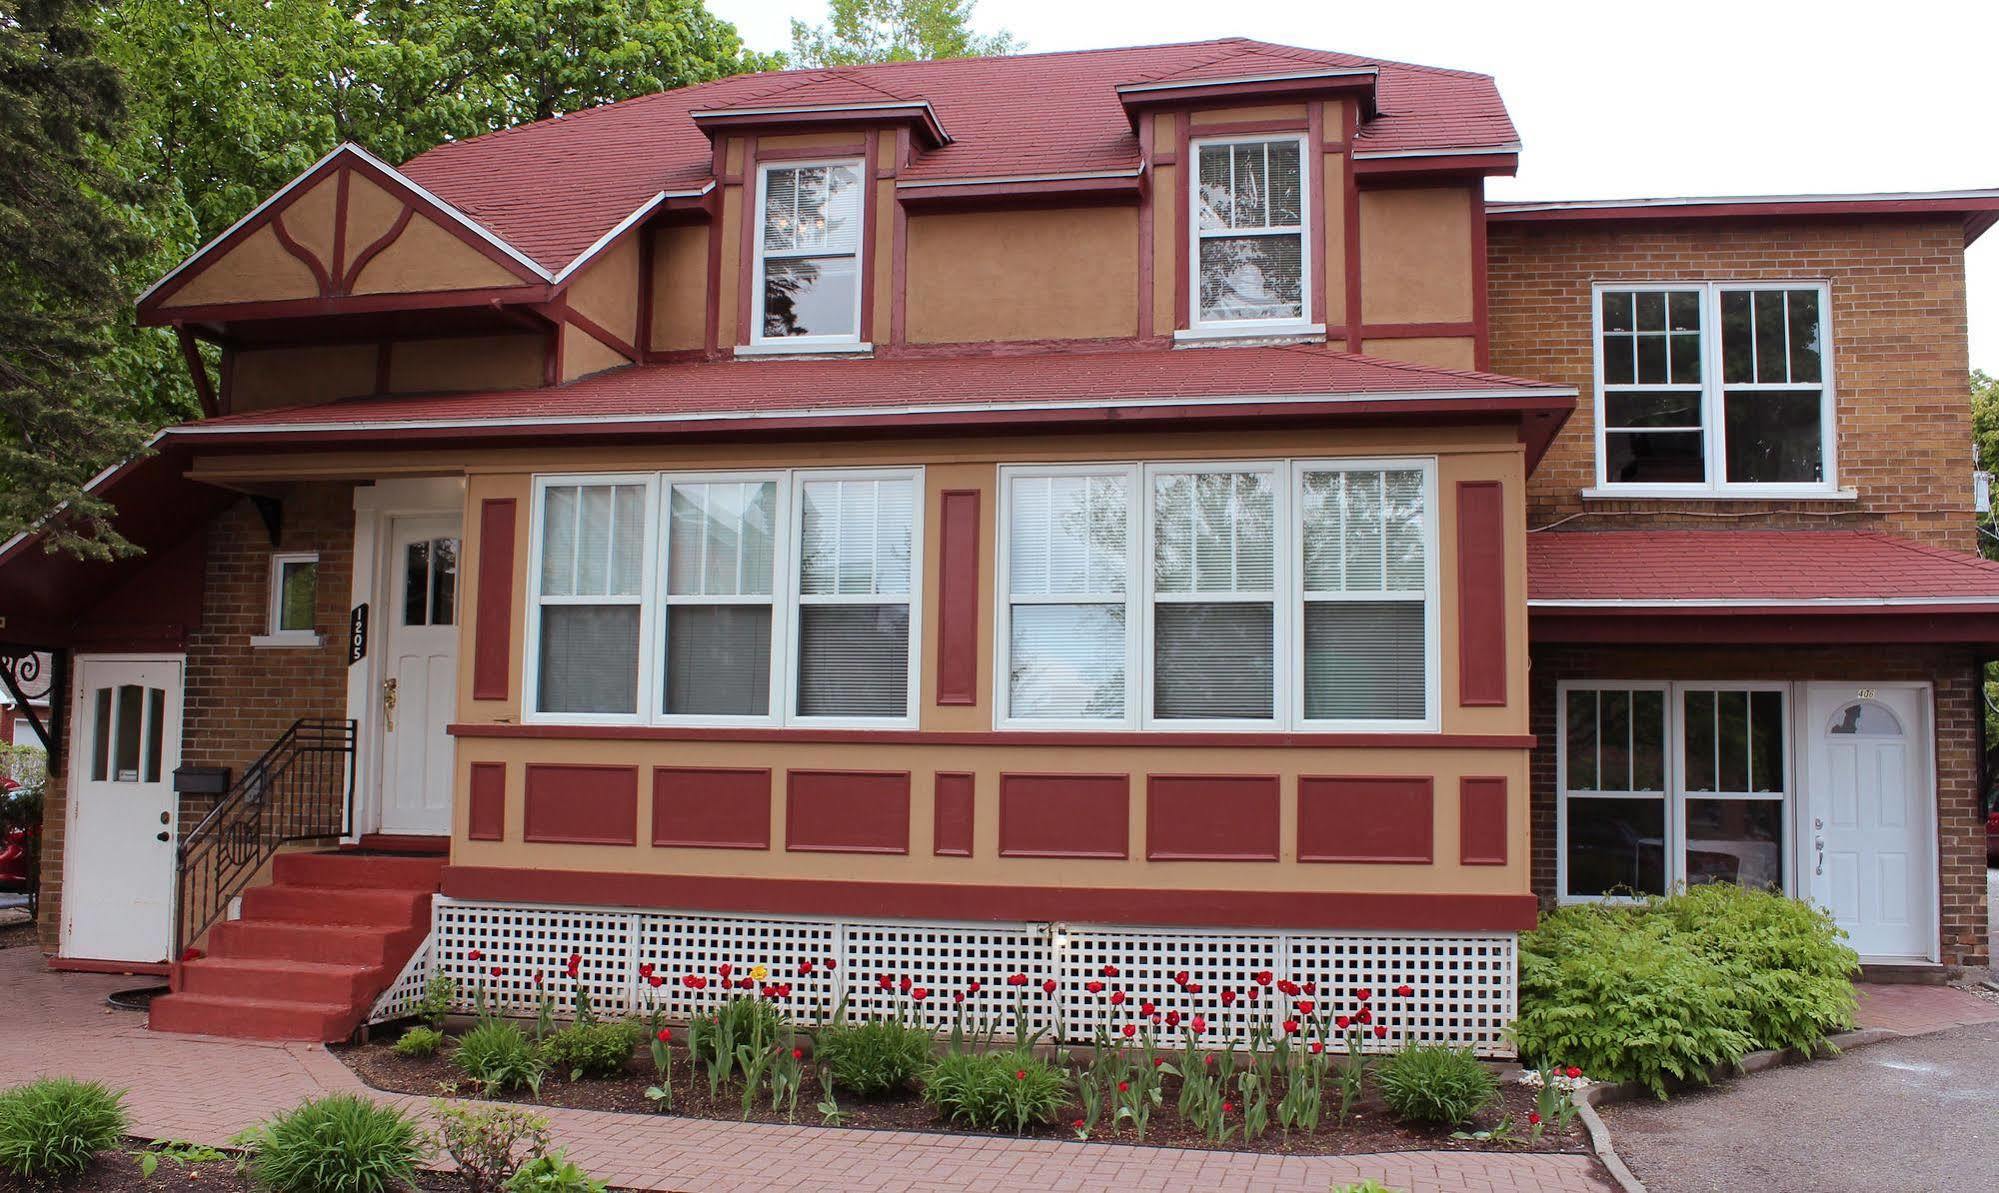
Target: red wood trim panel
{"points": [[198, 369], [864, 261], [580, 804], [898, 268], [92, 965], [1055, 815], [710, 807], [1355, 818], [347, 304], [487, 819], [374, 250], [952, 818], [846, 811], [1213, 818], [1183, 218], [1147, 196], [1480, 300], [318, 267], [746, 250], [1403, 331], [339, 263], [1303, 910], [1482, 820], [1481, 593], [958, 597], [491, 672], [918, 737], [1312, 163]]}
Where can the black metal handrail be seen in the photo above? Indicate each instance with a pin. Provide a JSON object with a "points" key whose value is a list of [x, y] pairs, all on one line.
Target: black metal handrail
{"points": [[300, 790]]}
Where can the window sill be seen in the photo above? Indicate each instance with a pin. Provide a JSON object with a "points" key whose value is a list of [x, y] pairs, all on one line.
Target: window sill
{"points": [[1653, 494], [781, 348], [288, 639], [1280, 332]]}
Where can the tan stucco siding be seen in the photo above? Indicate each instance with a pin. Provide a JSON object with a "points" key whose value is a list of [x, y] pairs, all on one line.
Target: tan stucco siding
{"points": [[428, 257], [469, 363], [309, 218], [1445, 352], [680, 287], [1023, 275], [1168, 227], [1415, 254], [584, 354], [267, 377], [607, 290], [258, 269], [371, 212]]}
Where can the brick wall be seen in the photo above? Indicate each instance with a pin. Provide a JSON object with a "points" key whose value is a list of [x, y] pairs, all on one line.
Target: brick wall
{"points": [[238, 699], [1961, 827], [1899, 350]]}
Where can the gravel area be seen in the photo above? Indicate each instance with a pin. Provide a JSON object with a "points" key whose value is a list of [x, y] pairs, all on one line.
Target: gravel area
{"points": [[1910, 1114]]}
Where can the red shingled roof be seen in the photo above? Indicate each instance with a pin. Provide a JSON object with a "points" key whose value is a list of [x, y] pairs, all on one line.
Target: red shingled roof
{"points": [[553, 188], [1779, 568], [912, 385]]}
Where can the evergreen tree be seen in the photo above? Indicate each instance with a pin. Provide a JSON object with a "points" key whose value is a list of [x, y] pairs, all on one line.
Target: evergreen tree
{"points": [[859, 31]]}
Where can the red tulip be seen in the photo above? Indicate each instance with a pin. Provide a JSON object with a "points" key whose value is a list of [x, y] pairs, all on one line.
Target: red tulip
{"points": [[906, 984], [1130, 1030], [693, 981], [645, 969], [974, 987], [725, 969], [475, 955], [919, 993], [1048, 986], [497, 971], [798, 1054], [1380, 1031], [1199, 1025], [1361, 994], [1094, 987], [1318, 1046], [831, 965], [886, 982], [1124, 1087], [537, 977], [1342, 1022], [655, 981], [1254, 992], [1146, 1008], [1290, 1027], [957, 996], [665, 1034], [804, 968], [1157, 1061], [1533, 1118], [1305, 1006], [1365, 1016], [1020, 1074], [1263, 977], [1180, 978], [1193, 987], [1228, 998], [744, 983], [1311, 987], [1228, 1107], [1172, 1018], [1078, 1124], [1117, 998], [1110, 971], [1017, 979], [1288, 988], [1572, 1071]]}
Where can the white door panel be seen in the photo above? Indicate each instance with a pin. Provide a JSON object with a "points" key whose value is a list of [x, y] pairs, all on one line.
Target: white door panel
{"points": [[1867, 835], [118, 865], [421, 668]]}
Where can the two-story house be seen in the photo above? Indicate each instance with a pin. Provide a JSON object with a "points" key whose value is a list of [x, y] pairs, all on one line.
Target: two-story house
{"points": [[1138, 507]]}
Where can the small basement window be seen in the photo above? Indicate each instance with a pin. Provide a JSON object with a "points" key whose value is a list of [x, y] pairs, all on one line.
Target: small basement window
{"points": [[294, 594]]}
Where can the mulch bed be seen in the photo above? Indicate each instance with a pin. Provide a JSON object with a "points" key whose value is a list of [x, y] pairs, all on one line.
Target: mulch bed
{"points": [[119, 1171], [17, 934], [1371, 1129]]}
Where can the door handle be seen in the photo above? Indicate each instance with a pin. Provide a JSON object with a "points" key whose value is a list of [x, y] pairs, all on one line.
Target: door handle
{"points": [[1818, 848], [389, 705], [159, 836]]}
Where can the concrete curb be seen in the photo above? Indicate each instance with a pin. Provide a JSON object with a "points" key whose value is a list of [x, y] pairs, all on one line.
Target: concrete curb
{"points": [[1755, 1062]]}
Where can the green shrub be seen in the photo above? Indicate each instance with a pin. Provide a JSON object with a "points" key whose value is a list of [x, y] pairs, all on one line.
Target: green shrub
{"points": [[50, 1129], [591, 1049], [419, 1041], [489, 1143], [994, 1091], [341, 1143], [438, 995], [499, 1057], [1674, 987], [874, 1058], [743, 1020], [553, 1173], [1435, 1083]]}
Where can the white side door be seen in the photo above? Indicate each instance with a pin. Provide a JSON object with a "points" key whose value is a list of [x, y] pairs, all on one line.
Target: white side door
{"points": [[1868, 845], [420, 674], [118, 857]]}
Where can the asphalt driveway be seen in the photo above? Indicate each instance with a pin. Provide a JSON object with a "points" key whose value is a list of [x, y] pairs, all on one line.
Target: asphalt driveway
{"points": [[1917, 1114]]}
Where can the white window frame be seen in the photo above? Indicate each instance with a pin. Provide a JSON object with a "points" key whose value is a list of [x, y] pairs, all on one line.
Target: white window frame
{"points": [[1135, 671], [1674, 795], [914, 598], [761, 345], [1431, 597], [274, 603], [1199, 328], [1287, 597], [646, 696], [1714, 434], [779, 583]]}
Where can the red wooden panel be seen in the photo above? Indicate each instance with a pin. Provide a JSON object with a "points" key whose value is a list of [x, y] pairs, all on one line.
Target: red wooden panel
{"points": [[1065, 815], [958, 597], [710, 808], [1362, 819], [1481, 593], [581, 805], [951, 835], [846, 811], [1211, 818], [1482, 820], [488, 819], [493, 624]]}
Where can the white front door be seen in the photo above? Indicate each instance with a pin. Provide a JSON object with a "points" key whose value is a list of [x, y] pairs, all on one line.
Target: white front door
{"points": [[1867, 841], [118, 856], [419, 623]]}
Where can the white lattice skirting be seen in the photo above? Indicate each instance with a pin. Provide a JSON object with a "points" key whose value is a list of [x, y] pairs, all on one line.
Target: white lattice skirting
{"points": [[1464, 985]]}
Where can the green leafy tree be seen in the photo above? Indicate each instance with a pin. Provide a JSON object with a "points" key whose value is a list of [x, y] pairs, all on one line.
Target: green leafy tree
{"points": [[894, 31], [69, 253]]}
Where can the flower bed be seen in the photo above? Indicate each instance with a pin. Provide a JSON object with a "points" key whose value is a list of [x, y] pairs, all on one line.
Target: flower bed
{"points": [[1155, 1074]]}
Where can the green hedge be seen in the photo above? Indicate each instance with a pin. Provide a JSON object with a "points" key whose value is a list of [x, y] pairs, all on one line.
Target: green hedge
{"points": [[1672, 987]]}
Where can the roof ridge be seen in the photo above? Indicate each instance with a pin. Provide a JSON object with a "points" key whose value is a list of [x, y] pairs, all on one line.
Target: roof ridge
{"points": [[1969, 562]]}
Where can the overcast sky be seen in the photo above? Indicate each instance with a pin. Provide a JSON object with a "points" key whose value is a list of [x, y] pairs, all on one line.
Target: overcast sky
{"points": [[1695, 97]]}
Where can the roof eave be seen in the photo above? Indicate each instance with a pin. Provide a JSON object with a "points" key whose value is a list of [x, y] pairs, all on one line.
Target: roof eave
{"points": [[917, 113], [1360, 81]]}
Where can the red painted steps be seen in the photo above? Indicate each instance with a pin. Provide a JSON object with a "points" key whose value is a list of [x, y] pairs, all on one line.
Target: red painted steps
{"points": [[312, 951]]}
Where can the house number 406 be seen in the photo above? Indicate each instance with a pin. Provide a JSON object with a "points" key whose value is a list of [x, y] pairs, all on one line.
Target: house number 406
{"points": [[1863, 693]]}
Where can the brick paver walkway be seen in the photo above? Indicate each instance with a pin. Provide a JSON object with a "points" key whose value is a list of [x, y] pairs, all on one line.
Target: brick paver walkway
{"points": [[1914, 1010], [190, 1087]]}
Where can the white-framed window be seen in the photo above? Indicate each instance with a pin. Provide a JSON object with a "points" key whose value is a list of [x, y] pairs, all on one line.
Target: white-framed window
{"points": [[292, 601], [1714, 388], [751, 599], [1250, 252], [1663, 785], [1261, 595], [808, 273]]}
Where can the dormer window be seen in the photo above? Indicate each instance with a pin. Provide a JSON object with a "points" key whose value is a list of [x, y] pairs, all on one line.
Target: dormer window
{"points": [[1251, 270], [808, 262]]}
